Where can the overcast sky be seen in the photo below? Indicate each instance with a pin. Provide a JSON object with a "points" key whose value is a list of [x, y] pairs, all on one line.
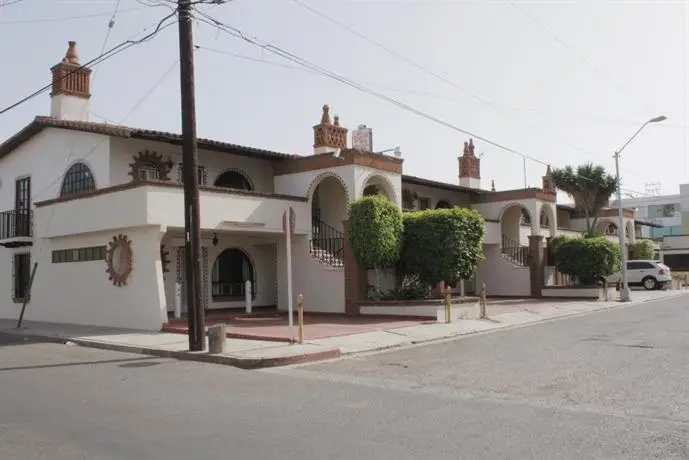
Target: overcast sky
{"points": [[563, 82]]}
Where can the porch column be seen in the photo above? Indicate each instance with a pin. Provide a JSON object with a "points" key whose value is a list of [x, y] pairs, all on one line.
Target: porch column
{"points": [[355, 276], [536, 264]]}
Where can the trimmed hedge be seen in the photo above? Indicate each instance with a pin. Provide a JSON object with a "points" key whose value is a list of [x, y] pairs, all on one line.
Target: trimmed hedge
{"points": [[587, 259], [442, 244], [643, 250], [375, 231]]}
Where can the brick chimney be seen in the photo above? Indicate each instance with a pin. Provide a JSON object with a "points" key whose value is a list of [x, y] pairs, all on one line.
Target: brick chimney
{"points": [[71, 87], [328, 136], [469, 167], [548, 183]]}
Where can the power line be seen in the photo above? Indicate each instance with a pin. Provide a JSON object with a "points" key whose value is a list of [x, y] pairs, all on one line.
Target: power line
{"points": [[103, 57], [9, 2], [69, 18], [293, 58]]}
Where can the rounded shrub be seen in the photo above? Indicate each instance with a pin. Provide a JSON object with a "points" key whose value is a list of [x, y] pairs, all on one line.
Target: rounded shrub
{"points": [[643, 250], [443, 244], [588, 259], [375, 231]]}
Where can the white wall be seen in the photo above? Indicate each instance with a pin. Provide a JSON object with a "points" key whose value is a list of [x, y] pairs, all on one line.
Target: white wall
{"points": [[259, 171], [46, 158], [502, 278], [164, 205], [261, 250], [81, 293]]}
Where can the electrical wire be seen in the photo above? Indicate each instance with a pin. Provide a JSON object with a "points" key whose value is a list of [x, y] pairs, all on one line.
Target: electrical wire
{"points": [[234, 32], [446, 80], [95, 61], [70, 18]]}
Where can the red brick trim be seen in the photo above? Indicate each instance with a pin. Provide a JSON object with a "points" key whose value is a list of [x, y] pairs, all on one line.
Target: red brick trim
{"points": [[347, 157], [132, 185]]}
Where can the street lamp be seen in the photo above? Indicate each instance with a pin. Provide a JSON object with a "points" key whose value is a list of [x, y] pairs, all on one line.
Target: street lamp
{"points": [[624, 290]]}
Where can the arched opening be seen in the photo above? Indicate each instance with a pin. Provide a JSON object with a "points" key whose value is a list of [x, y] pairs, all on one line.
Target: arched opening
{"points": [[512, 218], [148, 170], [78, 180], [233, 179], [547, 221], [329, 205], [607, 228], [378, 185], [231, 270], [442, 204]]}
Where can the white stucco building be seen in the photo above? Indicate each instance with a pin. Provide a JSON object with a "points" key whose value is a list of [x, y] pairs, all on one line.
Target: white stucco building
{"points": [[99, 209]]}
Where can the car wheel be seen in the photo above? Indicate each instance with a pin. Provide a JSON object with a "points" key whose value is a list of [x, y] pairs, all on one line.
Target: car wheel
{"points": [[650, 283]]}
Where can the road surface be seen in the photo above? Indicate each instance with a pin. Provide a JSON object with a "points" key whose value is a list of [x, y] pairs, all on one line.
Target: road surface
{"points": [[609, 385]]}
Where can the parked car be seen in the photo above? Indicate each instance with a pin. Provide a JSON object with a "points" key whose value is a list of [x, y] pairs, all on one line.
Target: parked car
{"points": [[651, 274]]}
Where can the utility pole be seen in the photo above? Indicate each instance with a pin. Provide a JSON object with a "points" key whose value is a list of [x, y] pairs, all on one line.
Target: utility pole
{"points": [[192, 229]]}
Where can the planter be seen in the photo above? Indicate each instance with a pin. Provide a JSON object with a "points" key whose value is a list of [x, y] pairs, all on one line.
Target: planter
{"points": [[602, 293], [434, 309]]}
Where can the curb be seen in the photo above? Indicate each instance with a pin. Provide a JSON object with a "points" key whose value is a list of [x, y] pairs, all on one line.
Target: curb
{"points": [[204, 357]]}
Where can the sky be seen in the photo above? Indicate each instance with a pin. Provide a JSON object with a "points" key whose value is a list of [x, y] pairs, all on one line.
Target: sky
{"points": [[541, 82]]}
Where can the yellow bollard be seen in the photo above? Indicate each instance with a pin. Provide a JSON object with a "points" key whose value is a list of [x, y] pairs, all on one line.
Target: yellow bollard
{"points": [[448, 305], [483, 302], [300, 317]]}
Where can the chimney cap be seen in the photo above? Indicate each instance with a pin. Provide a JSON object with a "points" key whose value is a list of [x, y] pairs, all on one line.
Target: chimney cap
{"points": [[71, 56]]}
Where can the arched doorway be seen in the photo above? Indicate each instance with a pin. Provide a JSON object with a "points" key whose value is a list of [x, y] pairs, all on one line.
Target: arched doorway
{"points": [[231, 270], [329, 204], [547, 221], [233, 179], [512, 218]]}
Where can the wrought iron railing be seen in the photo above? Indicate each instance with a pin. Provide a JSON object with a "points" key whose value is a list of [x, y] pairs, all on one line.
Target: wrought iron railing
{"points": [[327, 243], [16, 223], [514, 251]]}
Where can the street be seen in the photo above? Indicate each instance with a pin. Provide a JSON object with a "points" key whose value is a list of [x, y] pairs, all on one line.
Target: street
{"points": [[608, 385]]}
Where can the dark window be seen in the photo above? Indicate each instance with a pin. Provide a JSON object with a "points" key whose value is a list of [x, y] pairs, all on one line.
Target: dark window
{"points": [[371, 190], [148, 171], [424, 203], [442, 204], [677, 262], [231, 270], [233, 179], [21, 274], [79, 254], [639, 265], [78, 180], [22, 207]]}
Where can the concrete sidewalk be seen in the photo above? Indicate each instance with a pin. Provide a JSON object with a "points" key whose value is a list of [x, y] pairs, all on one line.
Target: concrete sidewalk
{"points": [[254, 354]]}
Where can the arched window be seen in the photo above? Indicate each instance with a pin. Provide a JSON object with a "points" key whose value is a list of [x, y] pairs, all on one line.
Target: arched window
{"points": [[148, 171], [231, 270], [234, 180], [442, 204], [78, 180]]}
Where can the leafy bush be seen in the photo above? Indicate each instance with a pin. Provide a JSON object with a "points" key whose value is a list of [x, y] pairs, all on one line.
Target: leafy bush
{"points": [[412, 288], [588, 259], [442, 244], [553, 244], [375, 231], [643, 250]]}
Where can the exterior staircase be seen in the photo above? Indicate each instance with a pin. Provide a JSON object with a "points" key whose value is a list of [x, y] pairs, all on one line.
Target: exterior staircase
{"points": [[327, 243], [515, 252]]}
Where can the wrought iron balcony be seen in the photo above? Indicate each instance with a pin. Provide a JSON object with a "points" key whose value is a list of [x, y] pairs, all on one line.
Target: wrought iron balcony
{"points": [[16, 224]]}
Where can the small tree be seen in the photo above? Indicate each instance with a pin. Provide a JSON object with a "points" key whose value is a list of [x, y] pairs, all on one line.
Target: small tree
{"points": [[590, 186], [588, 259], [375, 232], [643, 250], [443, 244]]}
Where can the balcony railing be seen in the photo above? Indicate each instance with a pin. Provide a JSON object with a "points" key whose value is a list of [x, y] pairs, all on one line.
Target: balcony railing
{"points": [[17, 223]]}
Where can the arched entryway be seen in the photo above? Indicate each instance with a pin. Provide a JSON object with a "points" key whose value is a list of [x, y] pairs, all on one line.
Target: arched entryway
{"points": [[329, 205], [233, 179], [547, 220], [376, 184], [231, 270], [512, 218]]}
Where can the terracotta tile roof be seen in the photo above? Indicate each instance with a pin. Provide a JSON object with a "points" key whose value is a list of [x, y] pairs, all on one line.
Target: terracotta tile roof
{"points": [[442, 185], [40, 123]]}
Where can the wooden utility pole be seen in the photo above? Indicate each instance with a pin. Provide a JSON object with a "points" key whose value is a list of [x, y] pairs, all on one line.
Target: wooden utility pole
{"points": [[192, 229]]}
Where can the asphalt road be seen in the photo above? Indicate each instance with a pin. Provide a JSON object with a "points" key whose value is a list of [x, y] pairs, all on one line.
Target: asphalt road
{"points": [[609, 385]]}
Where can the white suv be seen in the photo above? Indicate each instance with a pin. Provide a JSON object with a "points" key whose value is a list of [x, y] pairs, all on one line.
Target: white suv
{"points": [[651, 274]]}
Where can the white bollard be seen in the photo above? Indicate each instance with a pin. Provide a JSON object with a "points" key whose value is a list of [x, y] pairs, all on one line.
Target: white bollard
{"points": [[247, 296], [216, 338], [178, 300]]}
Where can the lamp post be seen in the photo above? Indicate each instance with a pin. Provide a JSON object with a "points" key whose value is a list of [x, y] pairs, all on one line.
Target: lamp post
{"points": [[624, 290]]}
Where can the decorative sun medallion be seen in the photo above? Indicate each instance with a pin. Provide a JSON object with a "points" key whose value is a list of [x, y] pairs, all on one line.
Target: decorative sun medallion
{"points": [[150, 166], [164, 253], [119, 260]]}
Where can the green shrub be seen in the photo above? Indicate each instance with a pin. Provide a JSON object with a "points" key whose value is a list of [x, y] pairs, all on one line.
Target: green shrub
{"points": [[553, 244], [588, 259], [643, 250], [375, 231], [412, 288], [442, 244]]}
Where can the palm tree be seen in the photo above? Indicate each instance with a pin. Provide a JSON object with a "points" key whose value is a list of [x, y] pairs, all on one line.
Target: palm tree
{"points": [[590, 186]]}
